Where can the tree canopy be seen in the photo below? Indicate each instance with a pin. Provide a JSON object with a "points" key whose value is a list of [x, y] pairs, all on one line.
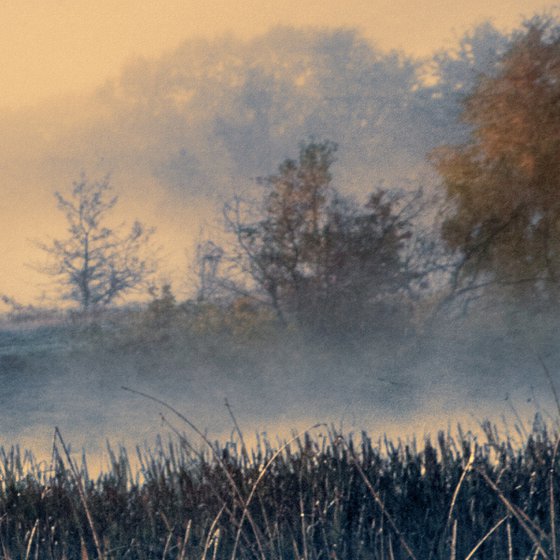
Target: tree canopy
{"points": [[504, 183], [316, 256]]}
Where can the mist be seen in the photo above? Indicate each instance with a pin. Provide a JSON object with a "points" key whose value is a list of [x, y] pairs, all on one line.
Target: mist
{"points": [[179, 135], [458, 372], [182, 133]]}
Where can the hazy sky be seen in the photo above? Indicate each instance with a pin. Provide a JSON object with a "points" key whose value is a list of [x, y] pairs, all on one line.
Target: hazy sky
{"points": [[48, 47]]}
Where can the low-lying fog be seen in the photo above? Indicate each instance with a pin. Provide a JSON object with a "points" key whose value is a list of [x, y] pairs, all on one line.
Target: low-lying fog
{"points": [[417, 387]]}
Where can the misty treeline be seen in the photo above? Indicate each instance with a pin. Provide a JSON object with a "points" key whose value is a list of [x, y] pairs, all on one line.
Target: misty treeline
{"points": [[487, 229], [303, 247], [213, 114]]}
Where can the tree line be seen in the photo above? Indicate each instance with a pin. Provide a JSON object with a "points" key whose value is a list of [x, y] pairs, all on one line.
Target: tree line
{"points": [[326, 260]]}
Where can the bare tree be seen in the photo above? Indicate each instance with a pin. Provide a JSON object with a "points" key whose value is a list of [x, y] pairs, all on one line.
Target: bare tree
{"points": [[94, 263], [208, 257]]}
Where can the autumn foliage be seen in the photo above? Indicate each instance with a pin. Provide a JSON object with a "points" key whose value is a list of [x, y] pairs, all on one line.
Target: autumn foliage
{"points": [[504, 184]]}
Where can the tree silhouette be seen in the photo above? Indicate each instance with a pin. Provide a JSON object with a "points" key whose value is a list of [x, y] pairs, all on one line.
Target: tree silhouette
{"points": [[315, 255], [96, 264]]}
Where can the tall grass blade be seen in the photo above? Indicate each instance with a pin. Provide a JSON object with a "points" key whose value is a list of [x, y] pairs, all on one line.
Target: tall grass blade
{"points": [[486, 537]]}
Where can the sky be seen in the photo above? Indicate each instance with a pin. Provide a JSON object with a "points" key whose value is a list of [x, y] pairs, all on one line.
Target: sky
{"points": [[54, 47]]}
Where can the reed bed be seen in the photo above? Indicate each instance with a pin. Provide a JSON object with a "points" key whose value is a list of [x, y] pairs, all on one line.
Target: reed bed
{"points": [[322, 495]]}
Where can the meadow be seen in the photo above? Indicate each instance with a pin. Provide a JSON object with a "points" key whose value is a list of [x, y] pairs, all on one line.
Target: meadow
{"points": [[330, 491], [320, 494]]}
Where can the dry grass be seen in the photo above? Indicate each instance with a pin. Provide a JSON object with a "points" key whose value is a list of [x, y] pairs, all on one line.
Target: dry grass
{"points": [[321, 495]]}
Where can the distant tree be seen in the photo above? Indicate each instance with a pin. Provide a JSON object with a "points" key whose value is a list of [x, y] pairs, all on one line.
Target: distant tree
{"points": [[454, 74], [503, 185], [207, 263], [96, 264], [363, 280], [314, 254]]}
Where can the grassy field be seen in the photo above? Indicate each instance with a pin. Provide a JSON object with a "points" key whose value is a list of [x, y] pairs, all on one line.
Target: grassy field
{"points": [[317, 496], [323, 494]]}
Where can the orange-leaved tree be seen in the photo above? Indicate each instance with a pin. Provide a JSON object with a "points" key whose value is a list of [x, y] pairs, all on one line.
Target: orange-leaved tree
{"points": [[504, 183]]}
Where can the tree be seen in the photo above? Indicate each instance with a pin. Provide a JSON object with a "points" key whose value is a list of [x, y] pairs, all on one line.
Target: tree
{"points": [[315, 255], [97, 264], [454, 74], [206, 265], [504, 183]]}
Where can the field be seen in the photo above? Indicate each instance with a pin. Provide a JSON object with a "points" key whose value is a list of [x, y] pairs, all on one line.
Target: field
{"points": [[323, 493], [319, 495]]}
